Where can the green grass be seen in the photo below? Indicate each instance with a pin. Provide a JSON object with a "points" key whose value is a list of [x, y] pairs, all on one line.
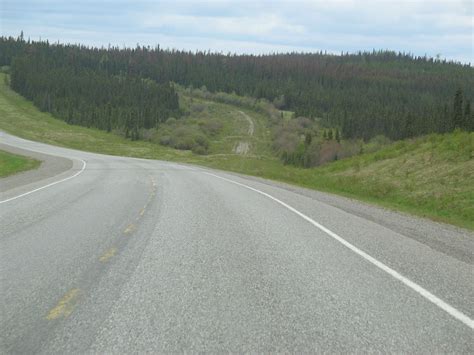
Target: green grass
{"points": [[11, 164], [287, 115], [430, 176], [21, 118], [234, 126]]}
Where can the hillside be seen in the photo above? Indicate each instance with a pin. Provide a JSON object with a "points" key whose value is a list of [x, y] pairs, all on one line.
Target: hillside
{"points": [[362, 94], [429, 176]]}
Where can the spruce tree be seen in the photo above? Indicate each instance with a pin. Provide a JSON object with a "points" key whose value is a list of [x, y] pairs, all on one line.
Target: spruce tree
{"points": [[468, 119], [457, 110], [326, 87]]}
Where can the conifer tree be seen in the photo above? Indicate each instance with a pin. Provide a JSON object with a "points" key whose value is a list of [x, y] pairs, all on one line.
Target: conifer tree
{"points": [[468, 119], [75, 83], [330, 135], [457, 109]]}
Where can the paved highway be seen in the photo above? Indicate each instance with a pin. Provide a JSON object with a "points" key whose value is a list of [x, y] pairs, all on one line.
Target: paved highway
{"points": [[122, 255]]}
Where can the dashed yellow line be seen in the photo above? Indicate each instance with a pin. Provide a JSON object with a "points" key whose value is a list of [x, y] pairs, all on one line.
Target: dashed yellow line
{"points": [[108, 254], [130, 228], [153, 185], [65, 305]]}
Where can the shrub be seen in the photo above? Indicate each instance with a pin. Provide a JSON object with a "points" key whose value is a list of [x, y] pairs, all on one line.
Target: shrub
{"points": [[146, 134], [329, 150], [171, 121], [349, 148], [377, 143], [199, 150], [197, 107], [211, 126], [185, 138], [165, 140]]}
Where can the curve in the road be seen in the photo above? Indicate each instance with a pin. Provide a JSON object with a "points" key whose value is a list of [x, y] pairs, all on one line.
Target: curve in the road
{"points": [[414, 286], [146, 256], [84, 164]]}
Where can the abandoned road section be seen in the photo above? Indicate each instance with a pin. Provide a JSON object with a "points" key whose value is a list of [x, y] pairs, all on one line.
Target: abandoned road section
{"points": [[129, 255]]}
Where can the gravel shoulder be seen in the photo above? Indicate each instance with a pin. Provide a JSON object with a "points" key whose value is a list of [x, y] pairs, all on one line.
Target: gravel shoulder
{"points": [[50, 167]]}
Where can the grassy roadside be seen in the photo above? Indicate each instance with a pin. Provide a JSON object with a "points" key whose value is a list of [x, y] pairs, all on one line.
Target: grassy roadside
{"points": [[429, 176], [11, 164]]}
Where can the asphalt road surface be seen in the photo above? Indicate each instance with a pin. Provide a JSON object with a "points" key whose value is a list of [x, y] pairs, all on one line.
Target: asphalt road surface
{"points": [[121, 255]]}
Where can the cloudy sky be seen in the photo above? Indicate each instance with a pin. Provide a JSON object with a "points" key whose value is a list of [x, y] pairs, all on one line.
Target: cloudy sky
{"points": [[432, 27]]}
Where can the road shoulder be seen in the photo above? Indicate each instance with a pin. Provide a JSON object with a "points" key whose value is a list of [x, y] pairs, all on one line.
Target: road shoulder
{"points": [[50, 167], [447, 239]]}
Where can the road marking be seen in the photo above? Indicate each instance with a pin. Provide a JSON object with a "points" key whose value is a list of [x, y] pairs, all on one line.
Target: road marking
{"points": [[108, 254], [130, 228], [49, 185], [414, 286], [142, 211], [153, 187], [65, 305]]}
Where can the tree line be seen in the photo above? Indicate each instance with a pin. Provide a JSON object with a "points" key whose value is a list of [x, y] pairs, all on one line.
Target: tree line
{"points": [[77, 94], [363, 94]]}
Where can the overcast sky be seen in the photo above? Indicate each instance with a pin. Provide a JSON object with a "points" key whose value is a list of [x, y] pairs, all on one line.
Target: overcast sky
{"points": [[431, 27]]}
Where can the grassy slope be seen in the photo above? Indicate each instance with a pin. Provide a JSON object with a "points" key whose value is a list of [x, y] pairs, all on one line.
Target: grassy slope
{"points": [[11, 164], [429, 176], [234, 127]]}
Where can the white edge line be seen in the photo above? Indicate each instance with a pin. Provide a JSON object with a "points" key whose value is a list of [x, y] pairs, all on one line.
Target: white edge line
{"points": [[51, 184], [414, 286]]}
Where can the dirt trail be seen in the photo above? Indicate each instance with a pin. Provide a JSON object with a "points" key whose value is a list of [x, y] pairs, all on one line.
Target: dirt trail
{"points": [[243, 147], [250, 121]]}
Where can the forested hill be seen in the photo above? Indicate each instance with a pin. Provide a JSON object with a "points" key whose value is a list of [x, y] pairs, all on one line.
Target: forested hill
{"points": [[76, 88], [363, 94]]}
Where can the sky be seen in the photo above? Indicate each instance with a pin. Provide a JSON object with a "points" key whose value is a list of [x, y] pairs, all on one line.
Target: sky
{"points": [[441, 28]]}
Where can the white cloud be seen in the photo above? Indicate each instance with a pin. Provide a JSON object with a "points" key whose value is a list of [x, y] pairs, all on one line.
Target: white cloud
{"points": [[417, 26], [264, 24]]}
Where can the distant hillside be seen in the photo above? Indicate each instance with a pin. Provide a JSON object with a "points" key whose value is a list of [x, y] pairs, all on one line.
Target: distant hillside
{"points": [[429, 176], [363, 94]]}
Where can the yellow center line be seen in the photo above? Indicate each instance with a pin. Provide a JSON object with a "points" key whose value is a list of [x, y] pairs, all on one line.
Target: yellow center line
{"points": [[108, 254], [65, 305], [131, 227]]}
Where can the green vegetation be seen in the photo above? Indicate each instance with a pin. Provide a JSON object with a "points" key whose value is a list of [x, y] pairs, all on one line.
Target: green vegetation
{"points": [[11, 163], [363, 94], [20, 117], [92, 98], [429, 176], [210, 127]]}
